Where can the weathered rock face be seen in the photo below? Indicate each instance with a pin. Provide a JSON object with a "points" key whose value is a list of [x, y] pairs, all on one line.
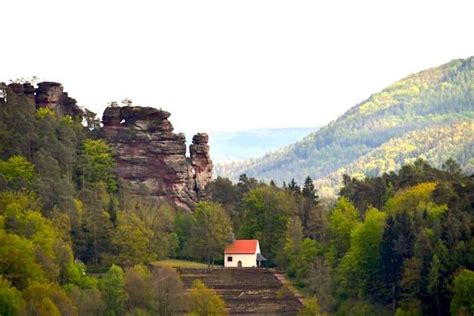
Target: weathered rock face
{"points": [[152, 159], [48, 95], [51, 95]]}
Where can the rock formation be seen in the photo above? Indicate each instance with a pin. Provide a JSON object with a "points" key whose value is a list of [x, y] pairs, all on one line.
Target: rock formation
{"points": [[52, 96], [152, 159], [48, 95]]}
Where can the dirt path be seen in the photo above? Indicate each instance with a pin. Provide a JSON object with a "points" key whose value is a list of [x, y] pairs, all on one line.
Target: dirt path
{"points": [[284, 281]]}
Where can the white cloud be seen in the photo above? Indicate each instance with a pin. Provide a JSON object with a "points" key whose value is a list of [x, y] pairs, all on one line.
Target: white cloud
{"points": [[229, 65]]}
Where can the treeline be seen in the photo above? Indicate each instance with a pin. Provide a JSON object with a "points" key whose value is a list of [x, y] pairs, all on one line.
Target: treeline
{"points": [[437, 96], [397, 244]]}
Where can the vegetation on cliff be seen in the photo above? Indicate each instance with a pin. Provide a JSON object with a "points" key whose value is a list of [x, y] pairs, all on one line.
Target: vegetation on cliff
{"points": [[64, 211]]}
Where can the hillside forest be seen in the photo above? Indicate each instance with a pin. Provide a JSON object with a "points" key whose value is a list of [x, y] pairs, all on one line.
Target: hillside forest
{"points": [[426, 115], [74, 241]]}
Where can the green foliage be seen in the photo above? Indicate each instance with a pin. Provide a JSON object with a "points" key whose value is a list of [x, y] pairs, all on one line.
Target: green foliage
{"points": [[88, 301], [47, 299], [435, 144], [410, 308], [157, 221], [132, 241], [112, 288], [359, 265], [267, 210], [463, 301], [342, 219], [168, 291], [360, 308], [298, 254], [138, 287], [96, 165], [211, 232], [11, 302], [17, 260], [311, 308], [292, 245], [17, 172], [204, 301]]}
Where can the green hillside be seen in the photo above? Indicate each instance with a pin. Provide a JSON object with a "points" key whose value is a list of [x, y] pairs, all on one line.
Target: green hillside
{"points": [[435, 144], [435, 97]]}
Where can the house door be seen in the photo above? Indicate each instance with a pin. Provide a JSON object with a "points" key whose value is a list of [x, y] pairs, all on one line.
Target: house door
{"points": [[239, 264]]}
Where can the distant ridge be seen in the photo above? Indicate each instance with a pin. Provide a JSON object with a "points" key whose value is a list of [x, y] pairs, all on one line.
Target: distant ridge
{"points": [[408, 112], [254, 143]]}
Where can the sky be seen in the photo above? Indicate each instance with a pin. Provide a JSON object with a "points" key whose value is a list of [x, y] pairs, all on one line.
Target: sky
{"points": [[231, 65]]}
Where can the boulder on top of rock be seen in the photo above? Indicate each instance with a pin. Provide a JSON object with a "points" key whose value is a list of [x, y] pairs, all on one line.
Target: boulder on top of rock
{"points": [[51, 95], [200, 138]]}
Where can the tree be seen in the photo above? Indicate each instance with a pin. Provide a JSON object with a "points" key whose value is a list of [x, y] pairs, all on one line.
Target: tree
{"points": [[112, 288], [17, 172], [17, 260], [204, 301], [96, 165], [11, 301], [88, 301], [292, 246], [131, 241], [390, 264], [184, 227], [308, 253], [138, 287], [318, 282], [168, 291], [158, 219], [463, 301], [223, 191], [310, 201], [452, 167], [267, 210], [293, 187], [360, 264], [342, 219], [46, 299], [212, 230]]}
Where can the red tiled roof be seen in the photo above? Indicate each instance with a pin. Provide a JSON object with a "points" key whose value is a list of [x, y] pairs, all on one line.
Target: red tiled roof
{"points": [[242, 247]]}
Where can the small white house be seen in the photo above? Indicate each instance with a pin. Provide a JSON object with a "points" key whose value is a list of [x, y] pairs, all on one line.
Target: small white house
{"points": [[243, 254]]}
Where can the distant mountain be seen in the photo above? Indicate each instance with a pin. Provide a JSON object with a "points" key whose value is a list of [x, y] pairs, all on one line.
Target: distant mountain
{"points": [[414, 117], [241, 145]]}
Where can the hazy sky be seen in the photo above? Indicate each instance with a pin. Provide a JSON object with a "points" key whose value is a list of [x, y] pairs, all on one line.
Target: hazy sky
{"points": [[230, 65]]}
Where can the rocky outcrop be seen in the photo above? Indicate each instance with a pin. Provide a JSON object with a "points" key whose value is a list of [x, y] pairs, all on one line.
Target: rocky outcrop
{"points": [[51, 95], [152, 159]]}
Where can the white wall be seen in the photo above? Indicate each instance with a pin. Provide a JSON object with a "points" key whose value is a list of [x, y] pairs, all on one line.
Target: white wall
{"points": [[248, 260]]}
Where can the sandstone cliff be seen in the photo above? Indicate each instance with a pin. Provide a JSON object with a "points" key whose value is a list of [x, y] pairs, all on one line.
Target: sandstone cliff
{"points": [[152, 159], [49, 95]]}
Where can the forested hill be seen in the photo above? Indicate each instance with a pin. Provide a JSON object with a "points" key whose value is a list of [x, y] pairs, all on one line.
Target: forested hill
{"points": [[435, 98]]}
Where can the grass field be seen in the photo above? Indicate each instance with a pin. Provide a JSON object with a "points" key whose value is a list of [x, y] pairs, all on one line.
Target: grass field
{"points": [[174, 263]]}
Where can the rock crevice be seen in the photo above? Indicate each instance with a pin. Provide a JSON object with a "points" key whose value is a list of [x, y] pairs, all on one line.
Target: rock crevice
{"points": [[151, 158]]}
